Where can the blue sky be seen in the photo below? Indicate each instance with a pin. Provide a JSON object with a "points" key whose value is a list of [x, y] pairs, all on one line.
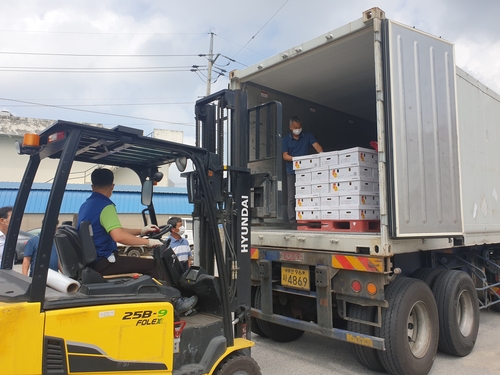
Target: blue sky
{"points": [[46, 39]]}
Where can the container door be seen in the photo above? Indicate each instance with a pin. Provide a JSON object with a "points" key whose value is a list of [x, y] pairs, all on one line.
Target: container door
{"points": [[421, 124], [265, 160]]}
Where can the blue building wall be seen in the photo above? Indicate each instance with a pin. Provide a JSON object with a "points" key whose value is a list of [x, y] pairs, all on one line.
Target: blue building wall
{"points": [[168, 201]]}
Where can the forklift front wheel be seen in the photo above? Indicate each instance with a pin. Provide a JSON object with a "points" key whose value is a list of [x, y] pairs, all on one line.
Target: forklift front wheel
{"points": [[238, 364]]}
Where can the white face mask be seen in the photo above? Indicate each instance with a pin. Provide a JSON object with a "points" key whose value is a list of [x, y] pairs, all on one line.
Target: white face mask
{"points": [[297, 131], [181, 231]]}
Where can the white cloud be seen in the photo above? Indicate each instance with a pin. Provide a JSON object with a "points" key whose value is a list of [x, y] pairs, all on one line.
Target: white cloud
{"points": [[181, 28]]}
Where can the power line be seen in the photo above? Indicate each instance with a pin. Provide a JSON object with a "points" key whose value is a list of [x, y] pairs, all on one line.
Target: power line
{"points": [[92, 55], [92, 33], [261, 28], [108, 105], [97, 112]]}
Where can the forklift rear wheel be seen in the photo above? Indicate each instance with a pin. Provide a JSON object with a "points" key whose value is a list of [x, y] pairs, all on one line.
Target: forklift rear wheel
{"points": [[458, 310], [368, 357], [410, 328], [275, 331], [237, 364], [134, 253]]}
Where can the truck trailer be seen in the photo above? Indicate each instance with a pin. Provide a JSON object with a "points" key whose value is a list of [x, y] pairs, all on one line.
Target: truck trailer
{"points": [[399, 288]]}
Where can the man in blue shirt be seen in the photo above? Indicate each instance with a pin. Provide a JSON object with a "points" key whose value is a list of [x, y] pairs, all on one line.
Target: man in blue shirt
{"points": [[179, 244], [29, 259], [107, 230], [296, 143]]}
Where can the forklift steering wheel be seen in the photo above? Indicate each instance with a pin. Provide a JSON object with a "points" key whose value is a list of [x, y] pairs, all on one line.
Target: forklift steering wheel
{"points": [[163, 229]]}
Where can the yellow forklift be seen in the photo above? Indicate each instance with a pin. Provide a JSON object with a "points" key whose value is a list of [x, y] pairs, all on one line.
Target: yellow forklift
{"points": [[127, 325]]}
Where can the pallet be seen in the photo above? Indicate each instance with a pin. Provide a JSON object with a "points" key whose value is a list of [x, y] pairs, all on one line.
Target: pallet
{"points": [[339, 225]]}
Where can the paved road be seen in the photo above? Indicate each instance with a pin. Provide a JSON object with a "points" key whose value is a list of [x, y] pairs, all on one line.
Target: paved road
{"points": [[316, 355]]}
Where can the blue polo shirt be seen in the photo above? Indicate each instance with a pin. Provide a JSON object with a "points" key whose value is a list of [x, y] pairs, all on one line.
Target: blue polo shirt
{"points": [[31, 249], [101, 212], [297, 147]]}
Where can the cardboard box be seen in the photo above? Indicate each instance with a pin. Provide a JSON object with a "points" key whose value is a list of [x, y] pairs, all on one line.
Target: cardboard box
{"points": [[350, 187], [310, 202], [330, 215], [308, 215], [357, 214], [319, 175], [305, 162], [302, 178], [358, 156], [351, 173], [321, 189], [359, 200], [329, 202], [302, 190], [328, 159]]}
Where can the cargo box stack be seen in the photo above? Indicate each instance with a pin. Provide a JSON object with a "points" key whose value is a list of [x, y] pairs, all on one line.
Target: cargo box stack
{"points": [[338, 189]]}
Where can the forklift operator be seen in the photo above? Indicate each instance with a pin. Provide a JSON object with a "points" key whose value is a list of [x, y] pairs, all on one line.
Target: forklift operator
{"points": [[107, 230]]}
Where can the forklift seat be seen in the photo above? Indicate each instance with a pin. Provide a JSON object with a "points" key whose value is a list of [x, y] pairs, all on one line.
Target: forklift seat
{"points": [[77, 251]]}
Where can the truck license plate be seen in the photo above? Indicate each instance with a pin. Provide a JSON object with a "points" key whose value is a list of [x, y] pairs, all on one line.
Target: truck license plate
{"points": [[295, 278]]}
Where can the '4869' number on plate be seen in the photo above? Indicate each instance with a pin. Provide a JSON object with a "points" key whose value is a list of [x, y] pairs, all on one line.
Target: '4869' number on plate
{"points": [[295, 278]]}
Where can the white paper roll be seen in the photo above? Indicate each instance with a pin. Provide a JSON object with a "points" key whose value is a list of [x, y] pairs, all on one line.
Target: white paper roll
{"points": [[62, 283]]}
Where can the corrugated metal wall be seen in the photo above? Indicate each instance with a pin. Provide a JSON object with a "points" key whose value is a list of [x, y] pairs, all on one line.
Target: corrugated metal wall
{"points": [[167, 201]]}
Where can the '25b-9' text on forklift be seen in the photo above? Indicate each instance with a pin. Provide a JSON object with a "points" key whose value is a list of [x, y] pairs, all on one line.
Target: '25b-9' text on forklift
{"points": [[128, 324]]}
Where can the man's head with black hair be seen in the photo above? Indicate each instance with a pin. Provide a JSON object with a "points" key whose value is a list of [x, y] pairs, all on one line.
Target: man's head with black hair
{"points": [[102, 181], [102, 177], [5, 213]]}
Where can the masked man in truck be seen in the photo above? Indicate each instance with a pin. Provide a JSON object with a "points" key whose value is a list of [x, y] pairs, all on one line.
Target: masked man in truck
{"points": [[296, 143]]}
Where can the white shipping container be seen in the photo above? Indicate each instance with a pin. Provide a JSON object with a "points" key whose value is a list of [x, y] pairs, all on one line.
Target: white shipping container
{"points": [[361, 200], [311, 202], [305, 162], [321, 189], [351, 173], [327, 159], [358, 214], [302, 178], [330, 215], [302, 190], [308, 215], [329, 202], [358, 156]]}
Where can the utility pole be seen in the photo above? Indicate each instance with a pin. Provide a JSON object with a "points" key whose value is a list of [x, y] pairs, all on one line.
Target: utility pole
{"points": [[210, 64]]}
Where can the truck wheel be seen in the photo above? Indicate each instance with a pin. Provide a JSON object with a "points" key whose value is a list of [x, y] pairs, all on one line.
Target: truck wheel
{"points": [[410, 328], [368, 357], [255, 322], [236, 364], [134, 253], [275, 331], [427, 275], [458, 310]]}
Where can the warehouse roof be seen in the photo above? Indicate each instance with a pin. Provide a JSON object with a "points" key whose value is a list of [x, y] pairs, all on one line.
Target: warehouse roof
{"points": [[126, 197]]}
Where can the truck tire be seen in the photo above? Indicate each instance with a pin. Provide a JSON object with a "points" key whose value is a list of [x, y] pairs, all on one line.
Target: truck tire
{"points": [[427, 275], [410, 328], [458, 310], [254, 321], [368, 357], [275, 331], [236, 364]]}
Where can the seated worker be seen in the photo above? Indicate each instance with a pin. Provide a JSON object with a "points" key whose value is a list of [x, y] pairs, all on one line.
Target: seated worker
{"points": [[29, 259], [107, 230], [179, 244]]}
